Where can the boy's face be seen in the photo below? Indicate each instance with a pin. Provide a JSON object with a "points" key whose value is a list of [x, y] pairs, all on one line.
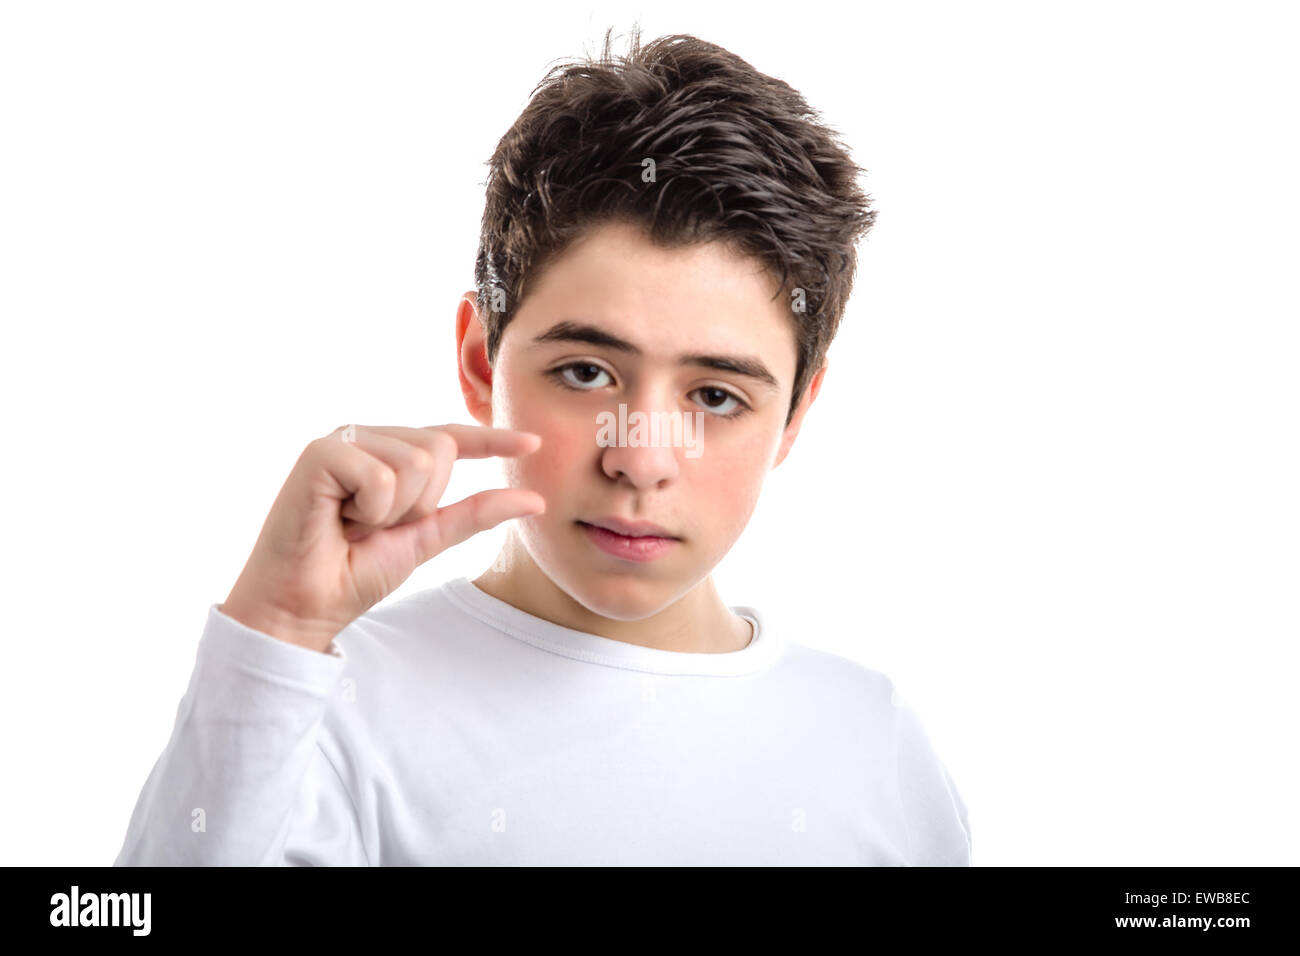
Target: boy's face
{"points": [[701, 300]]}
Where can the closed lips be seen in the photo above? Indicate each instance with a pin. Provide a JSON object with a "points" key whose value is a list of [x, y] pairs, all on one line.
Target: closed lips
{"points": [[630, 529]]}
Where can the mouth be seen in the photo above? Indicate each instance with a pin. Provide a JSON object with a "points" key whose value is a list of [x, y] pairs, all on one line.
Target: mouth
{"points": [[640, 547], [630, 529]]}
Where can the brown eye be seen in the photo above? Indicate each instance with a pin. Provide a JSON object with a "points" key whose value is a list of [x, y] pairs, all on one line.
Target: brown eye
{"points": [[724, 396], [584, 373]]}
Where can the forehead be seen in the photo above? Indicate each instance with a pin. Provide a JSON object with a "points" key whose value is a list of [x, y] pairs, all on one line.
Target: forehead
{"points": [[667, 300]]}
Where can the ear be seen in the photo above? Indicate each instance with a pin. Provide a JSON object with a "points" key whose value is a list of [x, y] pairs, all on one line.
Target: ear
{"points": [[792, 430], [472, 362]]}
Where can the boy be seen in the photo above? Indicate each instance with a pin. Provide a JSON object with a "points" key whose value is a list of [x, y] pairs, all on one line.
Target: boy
{"points": [[670, 234]]}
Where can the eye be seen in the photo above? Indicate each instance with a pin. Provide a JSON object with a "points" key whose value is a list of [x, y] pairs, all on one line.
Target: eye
{"points": [[583, 376], [588, 372], [740, 409]]}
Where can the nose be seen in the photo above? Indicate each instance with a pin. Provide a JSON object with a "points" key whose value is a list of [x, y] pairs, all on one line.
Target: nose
{"points": [[643, 467], [642, 448]]}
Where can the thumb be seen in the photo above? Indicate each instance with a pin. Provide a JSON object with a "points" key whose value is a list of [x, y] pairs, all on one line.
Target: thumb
{"points": [[451, 525]]}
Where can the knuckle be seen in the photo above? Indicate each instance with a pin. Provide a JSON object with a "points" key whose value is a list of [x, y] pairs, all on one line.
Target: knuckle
{"points": [[314, 448], [443, 445], [422, 458]]}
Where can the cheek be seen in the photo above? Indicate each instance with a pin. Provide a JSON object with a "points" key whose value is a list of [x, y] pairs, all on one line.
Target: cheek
{"points": [[526, 405], [724, 483], [567, 448]]}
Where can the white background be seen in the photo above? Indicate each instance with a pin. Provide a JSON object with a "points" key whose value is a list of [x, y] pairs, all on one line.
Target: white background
{"points": [[1050, 486]]}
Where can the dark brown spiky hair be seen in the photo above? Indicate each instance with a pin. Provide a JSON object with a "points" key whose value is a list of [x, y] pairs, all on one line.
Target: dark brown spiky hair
{"points": [[738, 158]]}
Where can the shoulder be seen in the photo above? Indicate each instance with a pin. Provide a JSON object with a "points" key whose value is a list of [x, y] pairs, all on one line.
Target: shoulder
{"points": [[840, 677], [937, 819], [397, 658], [893, 739], [411, 648], [399, 628]]}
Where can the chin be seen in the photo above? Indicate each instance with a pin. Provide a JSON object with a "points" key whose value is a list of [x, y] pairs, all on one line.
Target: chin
{"points": [[608, 587], [618, 596]]}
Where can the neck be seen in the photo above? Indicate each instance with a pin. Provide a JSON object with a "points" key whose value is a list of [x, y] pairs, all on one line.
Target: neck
{"points": [[697, 622]]}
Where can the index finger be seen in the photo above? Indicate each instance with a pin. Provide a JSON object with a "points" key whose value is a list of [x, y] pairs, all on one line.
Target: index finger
{"points": [[483, 441]]}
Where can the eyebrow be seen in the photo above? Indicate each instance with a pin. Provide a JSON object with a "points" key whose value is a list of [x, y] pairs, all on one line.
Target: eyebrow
{"points": [[745, 365]]}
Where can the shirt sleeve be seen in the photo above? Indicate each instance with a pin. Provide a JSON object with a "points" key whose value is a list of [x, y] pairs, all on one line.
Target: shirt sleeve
{"points": [[937, 821], [243, 780]]}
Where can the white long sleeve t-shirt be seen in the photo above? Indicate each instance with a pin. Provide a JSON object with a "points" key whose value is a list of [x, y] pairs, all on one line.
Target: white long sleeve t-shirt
{"points": [[452, 728]]}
